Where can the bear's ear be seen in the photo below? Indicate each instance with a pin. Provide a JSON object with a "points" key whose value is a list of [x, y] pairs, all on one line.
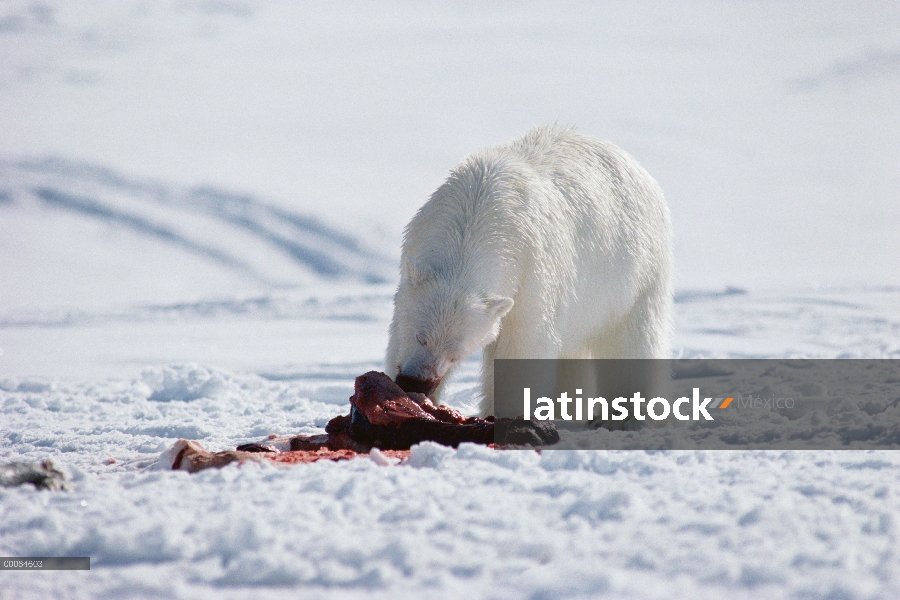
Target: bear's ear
{"points": [[498, 306], [416, 271]]}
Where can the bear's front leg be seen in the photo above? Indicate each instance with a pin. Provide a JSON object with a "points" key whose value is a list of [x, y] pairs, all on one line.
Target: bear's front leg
{"points": [[530, 344]]}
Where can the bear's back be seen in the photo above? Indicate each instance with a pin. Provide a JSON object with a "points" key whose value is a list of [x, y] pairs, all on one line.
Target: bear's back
{"points": [[553, 188]]}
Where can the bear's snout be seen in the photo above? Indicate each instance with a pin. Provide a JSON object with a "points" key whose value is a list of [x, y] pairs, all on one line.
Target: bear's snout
{"points": [[414, 384]]}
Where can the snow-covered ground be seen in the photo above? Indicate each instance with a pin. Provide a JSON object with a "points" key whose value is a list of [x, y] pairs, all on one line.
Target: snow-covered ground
{"points": [[201, 205]]}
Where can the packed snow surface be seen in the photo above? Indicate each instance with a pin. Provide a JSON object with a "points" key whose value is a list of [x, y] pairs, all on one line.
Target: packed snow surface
{"points": [[201, 208], [472, 521]]}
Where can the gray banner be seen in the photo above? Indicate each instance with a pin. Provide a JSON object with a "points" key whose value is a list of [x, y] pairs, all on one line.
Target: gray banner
{"points": [[707, 404], [45, 563]]}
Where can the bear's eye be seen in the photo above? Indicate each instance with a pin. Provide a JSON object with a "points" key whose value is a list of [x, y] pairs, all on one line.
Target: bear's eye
{"points": [[421, 339]]}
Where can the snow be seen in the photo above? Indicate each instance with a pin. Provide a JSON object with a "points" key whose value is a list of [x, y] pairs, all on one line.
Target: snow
{"points": [[473, 521], [747, 114], [201, 207]]}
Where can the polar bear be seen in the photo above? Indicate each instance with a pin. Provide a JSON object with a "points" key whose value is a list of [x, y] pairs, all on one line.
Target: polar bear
{"points": [[555, 245]]}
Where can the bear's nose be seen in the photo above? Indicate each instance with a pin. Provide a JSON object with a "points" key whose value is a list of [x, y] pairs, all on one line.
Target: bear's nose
{"points": [[414, 384]]}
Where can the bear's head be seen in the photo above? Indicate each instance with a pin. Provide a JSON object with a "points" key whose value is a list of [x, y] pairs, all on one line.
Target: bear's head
{"points": [[441, 319]]}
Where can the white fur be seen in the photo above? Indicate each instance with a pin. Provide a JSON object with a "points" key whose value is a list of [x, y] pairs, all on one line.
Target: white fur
{"points": [[555, 245]]}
